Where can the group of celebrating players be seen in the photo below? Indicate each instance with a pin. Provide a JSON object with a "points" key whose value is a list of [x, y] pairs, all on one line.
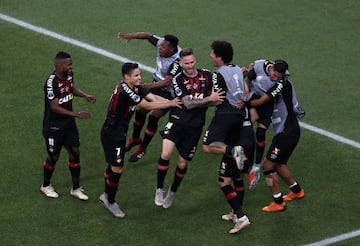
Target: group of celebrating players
{"points": [[261, 93]]}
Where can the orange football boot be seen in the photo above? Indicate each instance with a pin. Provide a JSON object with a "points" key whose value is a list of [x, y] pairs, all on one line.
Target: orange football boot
{"points": [[292, 195], [274, 207]]}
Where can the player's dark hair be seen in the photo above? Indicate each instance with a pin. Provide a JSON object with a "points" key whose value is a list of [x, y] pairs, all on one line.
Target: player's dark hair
{"points": [[62, 55], [281, 66], [186, 52], [128, 67], [224, 50], [173, 40], [284, 62]]}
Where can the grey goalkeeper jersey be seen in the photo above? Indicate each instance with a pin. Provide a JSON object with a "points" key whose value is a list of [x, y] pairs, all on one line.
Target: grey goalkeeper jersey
{"points": [[284, 117], [234, 80], [262, 82]]}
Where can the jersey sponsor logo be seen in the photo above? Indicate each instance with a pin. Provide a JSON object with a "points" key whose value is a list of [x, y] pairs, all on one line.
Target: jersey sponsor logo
{"points": [[174, 69], [49, 87], [66, 98], [215, 82], [135, 97], [277, 90], [178, 91]]}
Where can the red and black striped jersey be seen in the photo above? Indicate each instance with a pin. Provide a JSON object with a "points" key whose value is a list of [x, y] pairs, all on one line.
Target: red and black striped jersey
{"points": [[198, 87], [57, 88]]}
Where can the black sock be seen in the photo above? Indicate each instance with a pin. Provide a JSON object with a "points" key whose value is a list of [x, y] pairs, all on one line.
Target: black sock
{"points": [[295, 188], [112, 185], [75, 174], [179, 176], [233, 200], [150, 131], [139, 122], [162, 168], [48, 172], [240, 190]]}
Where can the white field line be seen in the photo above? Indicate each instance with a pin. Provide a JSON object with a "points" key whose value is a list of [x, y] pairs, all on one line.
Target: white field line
{"points": [[71, 41], [151, 70], [330, 135], [336, 239]]}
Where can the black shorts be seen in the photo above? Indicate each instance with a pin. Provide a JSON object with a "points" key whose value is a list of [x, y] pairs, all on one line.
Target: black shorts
{"points": [[265, 111], [281, 148], [62, 133], [185, 138], [247, 140], [113, 143], [224, 128], [228, 168]]}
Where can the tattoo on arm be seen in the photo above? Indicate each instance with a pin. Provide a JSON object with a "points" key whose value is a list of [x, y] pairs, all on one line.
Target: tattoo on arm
{"points": [[190, 103]]}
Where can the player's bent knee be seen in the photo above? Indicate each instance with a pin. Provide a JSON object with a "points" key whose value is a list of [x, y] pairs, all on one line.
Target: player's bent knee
{"points": [[206, 148], [222, 181], [52, 159], [117, 169]]}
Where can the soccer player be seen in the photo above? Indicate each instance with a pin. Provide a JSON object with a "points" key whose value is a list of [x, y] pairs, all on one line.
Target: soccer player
{"points": [[286, 137], [224, 133], [261, 75], [127, 94], [59, 126], [167, 54], [229, 175], [185, 124]]}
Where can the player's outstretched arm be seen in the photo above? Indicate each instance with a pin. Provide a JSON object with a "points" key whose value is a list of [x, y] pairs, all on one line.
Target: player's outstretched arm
{"points": [[77, 92], [136, 35], [176, 102]]}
